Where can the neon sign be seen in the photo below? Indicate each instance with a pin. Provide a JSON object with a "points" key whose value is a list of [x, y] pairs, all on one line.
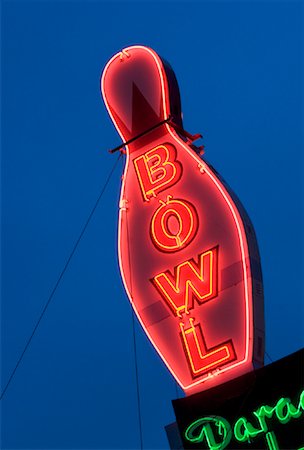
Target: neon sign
{"points": [[187, 250], [217, 433]]}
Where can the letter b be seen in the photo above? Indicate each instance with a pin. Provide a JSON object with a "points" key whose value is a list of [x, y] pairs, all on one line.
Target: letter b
{"points": [[157, 170]]}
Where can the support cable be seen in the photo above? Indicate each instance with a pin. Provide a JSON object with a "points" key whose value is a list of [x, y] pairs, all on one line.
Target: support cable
{"points": [[137, 383], [269, 357], [60, 277], [119, 147]]}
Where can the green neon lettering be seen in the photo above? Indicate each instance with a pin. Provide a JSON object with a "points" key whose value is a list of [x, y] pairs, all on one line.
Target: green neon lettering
{"points": [[216, 432], [244, 430], [272, 441], [285, 410], [261, 414], [209, 430]]}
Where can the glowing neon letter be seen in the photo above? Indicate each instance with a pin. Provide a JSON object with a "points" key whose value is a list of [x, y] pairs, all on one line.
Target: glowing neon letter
{"points": [[157, 170], [174, 225], [272, 441], [190, 280], [200, 358], [207, 430]]}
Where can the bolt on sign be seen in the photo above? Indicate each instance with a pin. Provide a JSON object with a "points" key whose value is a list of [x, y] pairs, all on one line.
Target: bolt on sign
{"points": [[188, 255]]}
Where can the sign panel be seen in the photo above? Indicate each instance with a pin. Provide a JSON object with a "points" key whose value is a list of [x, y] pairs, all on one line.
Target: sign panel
{"points": [[187, 249], [260, 410]]}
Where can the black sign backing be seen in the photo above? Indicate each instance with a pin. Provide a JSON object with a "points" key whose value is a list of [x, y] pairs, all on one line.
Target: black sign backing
{"points": [[260, 410]]}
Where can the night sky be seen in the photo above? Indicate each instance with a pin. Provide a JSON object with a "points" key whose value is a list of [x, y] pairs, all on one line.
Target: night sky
{"points": [[239, 69]]}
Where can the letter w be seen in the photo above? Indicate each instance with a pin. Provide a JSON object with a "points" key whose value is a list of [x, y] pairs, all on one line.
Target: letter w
{"points": [[190, 281]]}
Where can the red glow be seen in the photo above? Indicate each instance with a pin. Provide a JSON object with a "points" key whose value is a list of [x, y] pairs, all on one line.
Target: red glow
{"points": [[190, 281], [174, 225], [157, 170], [200, 358], [182, 238]]}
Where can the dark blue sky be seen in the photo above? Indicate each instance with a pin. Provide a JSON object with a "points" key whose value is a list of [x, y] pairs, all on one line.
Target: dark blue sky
{"points": [[239, 69]]}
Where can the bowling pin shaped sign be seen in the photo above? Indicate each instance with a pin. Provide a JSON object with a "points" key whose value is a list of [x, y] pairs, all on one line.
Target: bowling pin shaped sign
{"points": [[187, 250]]}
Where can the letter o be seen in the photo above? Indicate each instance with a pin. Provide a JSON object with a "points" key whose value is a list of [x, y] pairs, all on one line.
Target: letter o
{"points": [[174, 225]]}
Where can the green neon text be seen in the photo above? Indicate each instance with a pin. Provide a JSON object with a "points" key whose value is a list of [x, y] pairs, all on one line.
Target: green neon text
{"points": [[216, 432]]}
